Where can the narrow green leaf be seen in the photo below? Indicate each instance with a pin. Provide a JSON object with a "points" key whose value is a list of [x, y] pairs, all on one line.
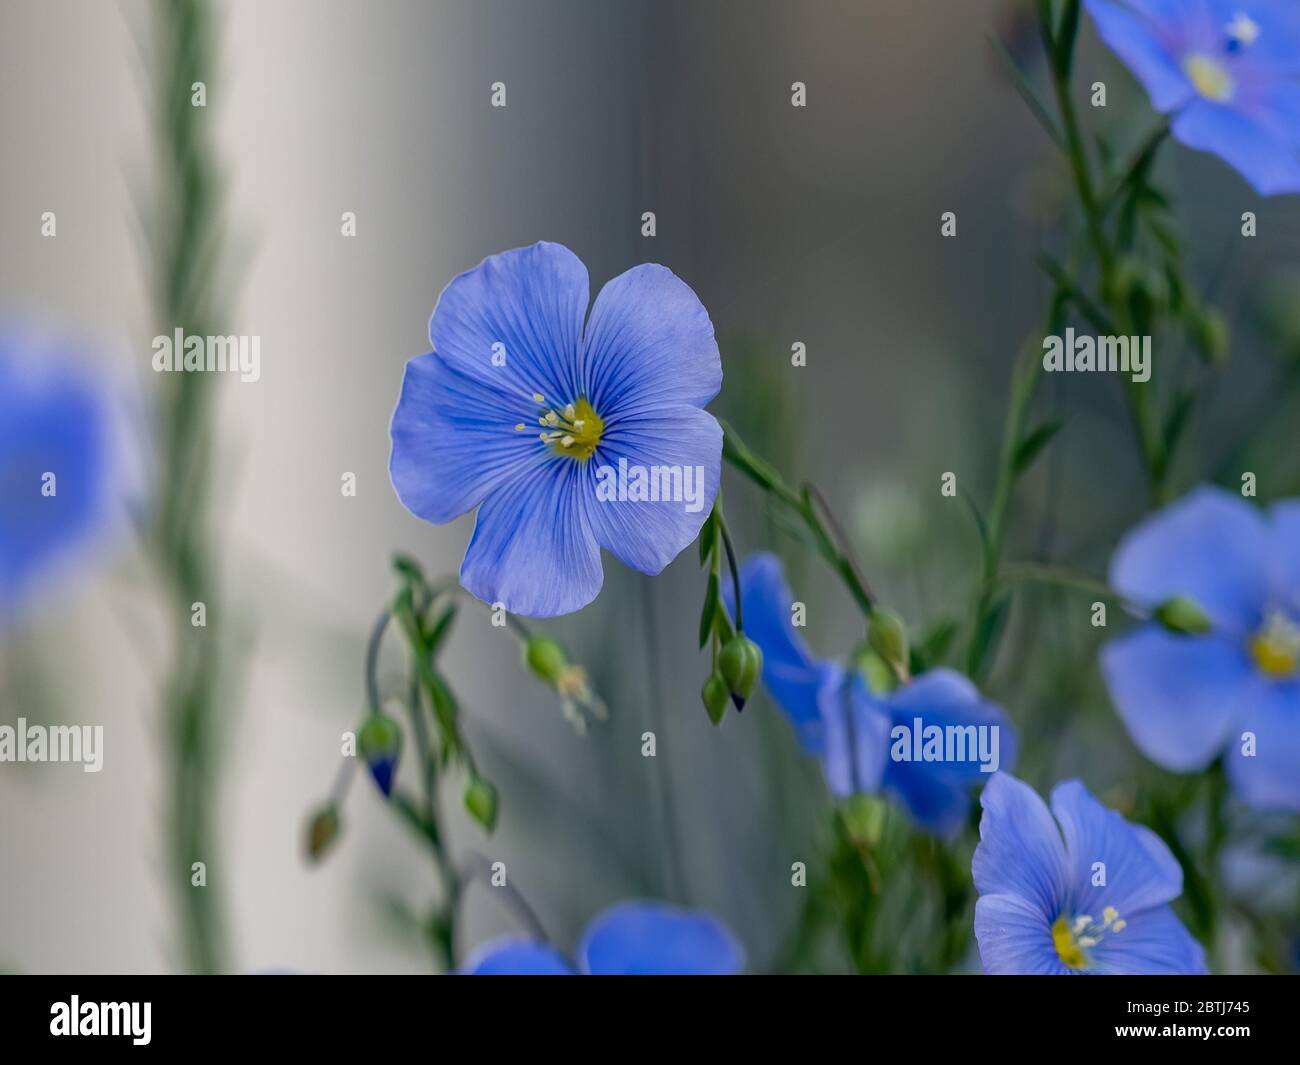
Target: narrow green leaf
{"points": [[710, 609], [1030, 447]]}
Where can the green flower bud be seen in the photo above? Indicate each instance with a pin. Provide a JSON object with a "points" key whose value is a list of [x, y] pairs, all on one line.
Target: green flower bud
{"points": [[1210, 331], [1183, 615], [888, 638], [740, 662], [878, 677], [322, 831], [715, 696], [545, 658], [481, 802], [379, 742], [864, 818]]}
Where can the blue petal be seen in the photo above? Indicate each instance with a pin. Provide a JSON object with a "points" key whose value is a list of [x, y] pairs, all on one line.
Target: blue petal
{"points": [[938, 794], [1156, 943], [1135, 32], [677, 448], [532, 548], [1020, 850], [1265, 156], [1270, 779], [1209, 545], [649, 343], [515, 956], [856, 732], [653, 939], [1015, 939], [454, 439], [1277, 48], [1140, 872], [1284, 556], [1177, 695], [51, 421], [531, 302], [790, 673]]}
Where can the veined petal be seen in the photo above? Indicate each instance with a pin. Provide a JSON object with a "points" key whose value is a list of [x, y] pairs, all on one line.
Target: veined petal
{"points": [[676, 454], [1210, 546], [1177, 695], [1014, 938], [1270, 778], [516, 956], [525, 305], [1020, 850], [654, 939], [1142, 35], [1156, 943], [649, 343], [791, 675], [1140, 873], [532, 548], [856, 733], [454, 438]]}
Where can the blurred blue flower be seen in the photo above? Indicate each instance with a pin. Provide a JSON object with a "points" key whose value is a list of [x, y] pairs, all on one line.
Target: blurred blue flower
{"points": [[519, 408], [632, 938], [1236, 688], [1228, 71], [54, 466], [1095, 901], [839, 720]]}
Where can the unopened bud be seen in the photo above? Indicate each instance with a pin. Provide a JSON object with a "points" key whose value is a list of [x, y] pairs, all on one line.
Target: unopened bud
{"points": [[379, 742], [740, 662], [715, 695], [1183, 615], [322, 831], [888, 638]]}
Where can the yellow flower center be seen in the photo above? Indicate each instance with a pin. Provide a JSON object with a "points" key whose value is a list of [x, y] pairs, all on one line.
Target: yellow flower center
{"points": [[573, 431], [1276, 646], [1072, 939], [1210, 77]]}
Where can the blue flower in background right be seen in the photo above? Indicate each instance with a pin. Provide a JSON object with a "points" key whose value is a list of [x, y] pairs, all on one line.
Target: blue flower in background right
{"points": [[1227, 72], [1233, 688]]}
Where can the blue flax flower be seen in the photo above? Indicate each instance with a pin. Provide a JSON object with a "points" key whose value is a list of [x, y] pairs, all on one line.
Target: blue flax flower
{"points": [[1236, 688], [632, 938], [1227, 71], [567, 438], [54, 467], [864, 740], [1086, 892]]}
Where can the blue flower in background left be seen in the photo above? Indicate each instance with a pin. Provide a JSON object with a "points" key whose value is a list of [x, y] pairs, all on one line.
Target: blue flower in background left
{"points": [[852, 730], [55, 466], [633, 938], [520, 408]]}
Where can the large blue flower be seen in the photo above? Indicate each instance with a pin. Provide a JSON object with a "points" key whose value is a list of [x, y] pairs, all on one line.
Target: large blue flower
{"points": [[54, 466], [629, 939], [868, 742], [1089, 896], [1228, 71], [544, 424], [1236, 689]]}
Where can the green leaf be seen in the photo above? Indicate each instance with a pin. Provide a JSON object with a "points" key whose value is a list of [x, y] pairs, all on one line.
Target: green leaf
{"points": [[440, 629], [933, 644], [1021, 84], [1067, 31], [1031, 445], [987, 637], [708, 537]]}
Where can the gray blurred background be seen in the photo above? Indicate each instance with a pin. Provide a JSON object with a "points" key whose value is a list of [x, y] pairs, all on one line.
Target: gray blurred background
{"points": [[818, 225]]}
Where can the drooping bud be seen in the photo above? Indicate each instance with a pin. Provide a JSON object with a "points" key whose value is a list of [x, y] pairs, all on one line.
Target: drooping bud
{"points": [[1183, 615], [322, 831], [740, 662], [481, 802], [715, 695], [548, 662], [888, 638], [545, 658], [379, 742]]}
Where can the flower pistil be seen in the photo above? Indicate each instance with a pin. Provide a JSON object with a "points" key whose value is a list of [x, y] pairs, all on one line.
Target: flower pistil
{"points": [[1276, 646], [1073, 939], [573, 430]]}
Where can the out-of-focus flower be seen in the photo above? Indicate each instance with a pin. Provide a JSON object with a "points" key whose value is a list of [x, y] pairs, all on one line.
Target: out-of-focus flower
{"points": [[560, 434], [379, 742], [55, 466], [1084, 892], [870, 742], [1185, 696], [1227, 71], [633, 938]]}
